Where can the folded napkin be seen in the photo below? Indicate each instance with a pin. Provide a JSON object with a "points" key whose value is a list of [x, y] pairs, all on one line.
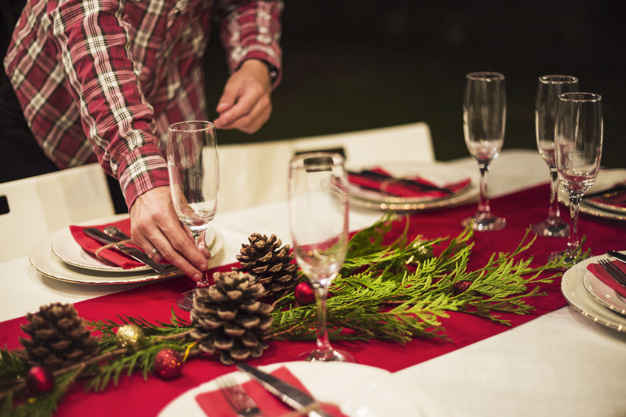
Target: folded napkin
{"points": [[604, 276], [414, 187], [214, 404], [617, 200], [92, 246]]}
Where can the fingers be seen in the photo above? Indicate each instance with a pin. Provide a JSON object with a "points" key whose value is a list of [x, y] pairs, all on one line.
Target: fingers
{"points": [[154, 224], [248, 115]]}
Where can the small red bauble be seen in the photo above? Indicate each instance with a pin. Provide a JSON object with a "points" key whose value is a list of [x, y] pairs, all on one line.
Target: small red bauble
{"points": [[39, 380], [304, 293], [460, 287], [168, 364]]}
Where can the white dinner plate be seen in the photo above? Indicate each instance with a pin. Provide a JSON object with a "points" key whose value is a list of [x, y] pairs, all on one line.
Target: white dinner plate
{"points": [[605, 180], [438, 173], [65, 247], [604, 294], [573, 289], [360, 391], [47, 263]]}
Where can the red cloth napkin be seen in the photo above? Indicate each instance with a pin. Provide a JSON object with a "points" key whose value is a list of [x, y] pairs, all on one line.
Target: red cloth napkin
{"points": [[404, 189], [617, 200], [214, 404], [91, 245], [604, 276]]}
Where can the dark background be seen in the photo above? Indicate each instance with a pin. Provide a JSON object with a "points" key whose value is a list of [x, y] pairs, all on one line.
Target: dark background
{"points": [[361, 64]]}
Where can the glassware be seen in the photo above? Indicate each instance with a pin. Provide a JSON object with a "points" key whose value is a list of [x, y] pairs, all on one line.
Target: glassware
{"points": [[578, 149], [318, 214], [548, 91], [484, 115], [193, 167]]}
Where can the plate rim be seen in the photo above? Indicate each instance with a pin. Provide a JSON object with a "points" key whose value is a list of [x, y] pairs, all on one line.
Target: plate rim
{"points": [[589, 287], [571, 282]]}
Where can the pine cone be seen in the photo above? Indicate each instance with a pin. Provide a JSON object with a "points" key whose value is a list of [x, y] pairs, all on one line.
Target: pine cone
{"points": [[271, 264], [58, 337], [228, 318]]}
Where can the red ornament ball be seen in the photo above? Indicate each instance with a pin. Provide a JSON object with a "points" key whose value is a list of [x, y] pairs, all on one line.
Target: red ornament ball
{"points": [[168, 364], [39, 380], [460, 287], [304, 293]]}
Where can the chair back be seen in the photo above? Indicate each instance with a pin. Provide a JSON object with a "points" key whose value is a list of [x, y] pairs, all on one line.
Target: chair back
{"points": [[32, 208], [257, 173]]}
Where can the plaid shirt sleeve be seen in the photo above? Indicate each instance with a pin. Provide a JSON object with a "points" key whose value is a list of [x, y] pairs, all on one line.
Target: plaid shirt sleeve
{"points": [[101, 73]]}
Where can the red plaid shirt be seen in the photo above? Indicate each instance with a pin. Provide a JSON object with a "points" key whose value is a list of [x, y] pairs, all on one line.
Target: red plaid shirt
{"points": [[103, 79]]}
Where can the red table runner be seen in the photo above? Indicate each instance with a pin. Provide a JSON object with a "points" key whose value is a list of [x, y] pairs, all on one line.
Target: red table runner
{"points": [[136, 397]]}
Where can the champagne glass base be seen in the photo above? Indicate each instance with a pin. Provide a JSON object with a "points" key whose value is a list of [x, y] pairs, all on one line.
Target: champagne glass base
{"points": [[186, 300], [567, 255], [485, 222], [551, 228], [326, 356]]}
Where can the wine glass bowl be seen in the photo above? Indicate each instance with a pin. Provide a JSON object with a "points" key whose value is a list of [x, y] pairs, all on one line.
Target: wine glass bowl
{"points": [[578, 151], [193, 168], [548, 90], [484, 115], [318, 220]]}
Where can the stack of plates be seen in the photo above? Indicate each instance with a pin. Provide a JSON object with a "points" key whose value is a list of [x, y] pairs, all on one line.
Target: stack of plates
{"points": [[592, 297], [61, 258], [606, 179], [437, 173]]}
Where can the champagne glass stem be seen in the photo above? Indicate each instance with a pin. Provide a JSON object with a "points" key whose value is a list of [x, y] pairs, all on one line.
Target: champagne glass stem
{"points": [[321, 295], [574, 206], [483, 201], [554, 211]]}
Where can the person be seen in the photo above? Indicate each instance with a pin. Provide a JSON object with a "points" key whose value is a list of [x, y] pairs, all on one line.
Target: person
{"points": [[102, 81]]}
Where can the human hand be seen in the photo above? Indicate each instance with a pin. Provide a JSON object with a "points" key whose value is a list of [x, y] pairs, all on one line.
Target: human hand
{"points": [[154, 224], [246, 104]]}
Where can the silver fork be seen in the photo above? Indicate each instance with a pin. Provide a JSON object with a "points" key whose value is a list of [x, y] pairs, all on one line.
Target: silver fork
{"points": [[613, 271], [237, 397]]}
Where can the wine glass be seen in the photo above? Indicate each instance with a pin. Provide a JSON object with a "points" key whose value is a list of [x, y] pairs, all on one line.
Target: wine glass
{"points": [[578, 149], [318, 214], [548, 91], [193, 168], [484, 114]]}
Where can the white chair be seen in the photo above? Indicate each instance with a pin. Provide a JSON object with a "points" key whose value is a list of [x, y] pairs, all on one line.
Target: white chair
{"points": [[257, 173], [43, 204]]}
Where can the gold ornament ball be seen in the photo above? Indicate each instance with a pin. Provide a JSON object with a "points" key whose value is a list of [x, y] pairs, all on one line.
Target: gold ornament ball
{"points": [[129, 336]]}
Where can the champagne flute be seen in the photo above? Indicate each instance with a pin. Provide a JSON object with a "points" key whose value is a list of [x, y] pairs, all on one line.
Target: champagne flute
{"points": [[578, 150], [193, 167], [318, 214], [548, 91], [484, 115]]}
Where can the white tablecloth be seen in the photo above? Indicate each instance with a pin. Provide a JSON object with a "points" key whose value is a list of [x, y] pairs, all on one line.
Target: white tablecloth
{"points": [[558, 364]]}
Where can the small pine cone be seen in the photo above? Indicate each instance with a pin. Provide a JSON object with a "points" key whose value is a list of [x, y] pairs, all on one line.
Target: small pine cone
{"points": [[58, 337], [270, 263], [228, 318]]}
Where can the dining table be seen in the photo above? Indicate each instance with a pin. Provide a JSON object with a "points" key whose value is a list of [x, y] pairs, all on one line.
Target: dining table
{"points": [[554, 361]]}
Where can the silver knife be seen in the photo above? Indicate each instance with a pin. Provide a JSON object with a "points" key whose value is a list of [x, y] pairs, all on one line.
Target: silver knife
{"points": [[287, 393], [134, 253], [617, 255]]}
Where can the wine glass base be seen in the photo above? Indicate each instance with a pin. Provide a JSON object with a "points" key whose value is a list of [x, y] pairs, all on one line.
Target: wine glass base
{"points": [[326, 356], [186, 300], [485, 223], [568, 256], [551, 228]]}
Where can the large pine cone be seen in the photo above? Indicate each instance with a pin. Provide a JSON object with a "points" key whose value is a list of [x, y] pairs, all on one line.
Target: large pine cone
{"points": [[270, 263], [58, 337], [228, 318]]}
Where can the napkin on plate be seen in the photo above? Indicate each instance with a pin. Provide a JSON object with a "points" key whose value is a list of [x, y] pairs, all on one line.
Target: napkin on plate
{"points": [[617, 200], [214, 404], [597, 270], [92, 246], [394, 186]]}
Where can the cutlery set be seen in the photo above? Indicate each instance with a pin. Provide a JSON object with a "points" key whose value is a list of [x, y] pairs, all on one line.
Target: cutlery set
{"points": [[245, 406]]}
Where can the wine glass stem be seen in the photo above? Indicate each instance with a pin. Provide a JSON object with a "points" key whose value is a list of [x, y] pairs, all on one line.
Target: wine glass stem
{"points": [[554, 211], [483, 201], [574, 205], [197, 236], [321, 294]]}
